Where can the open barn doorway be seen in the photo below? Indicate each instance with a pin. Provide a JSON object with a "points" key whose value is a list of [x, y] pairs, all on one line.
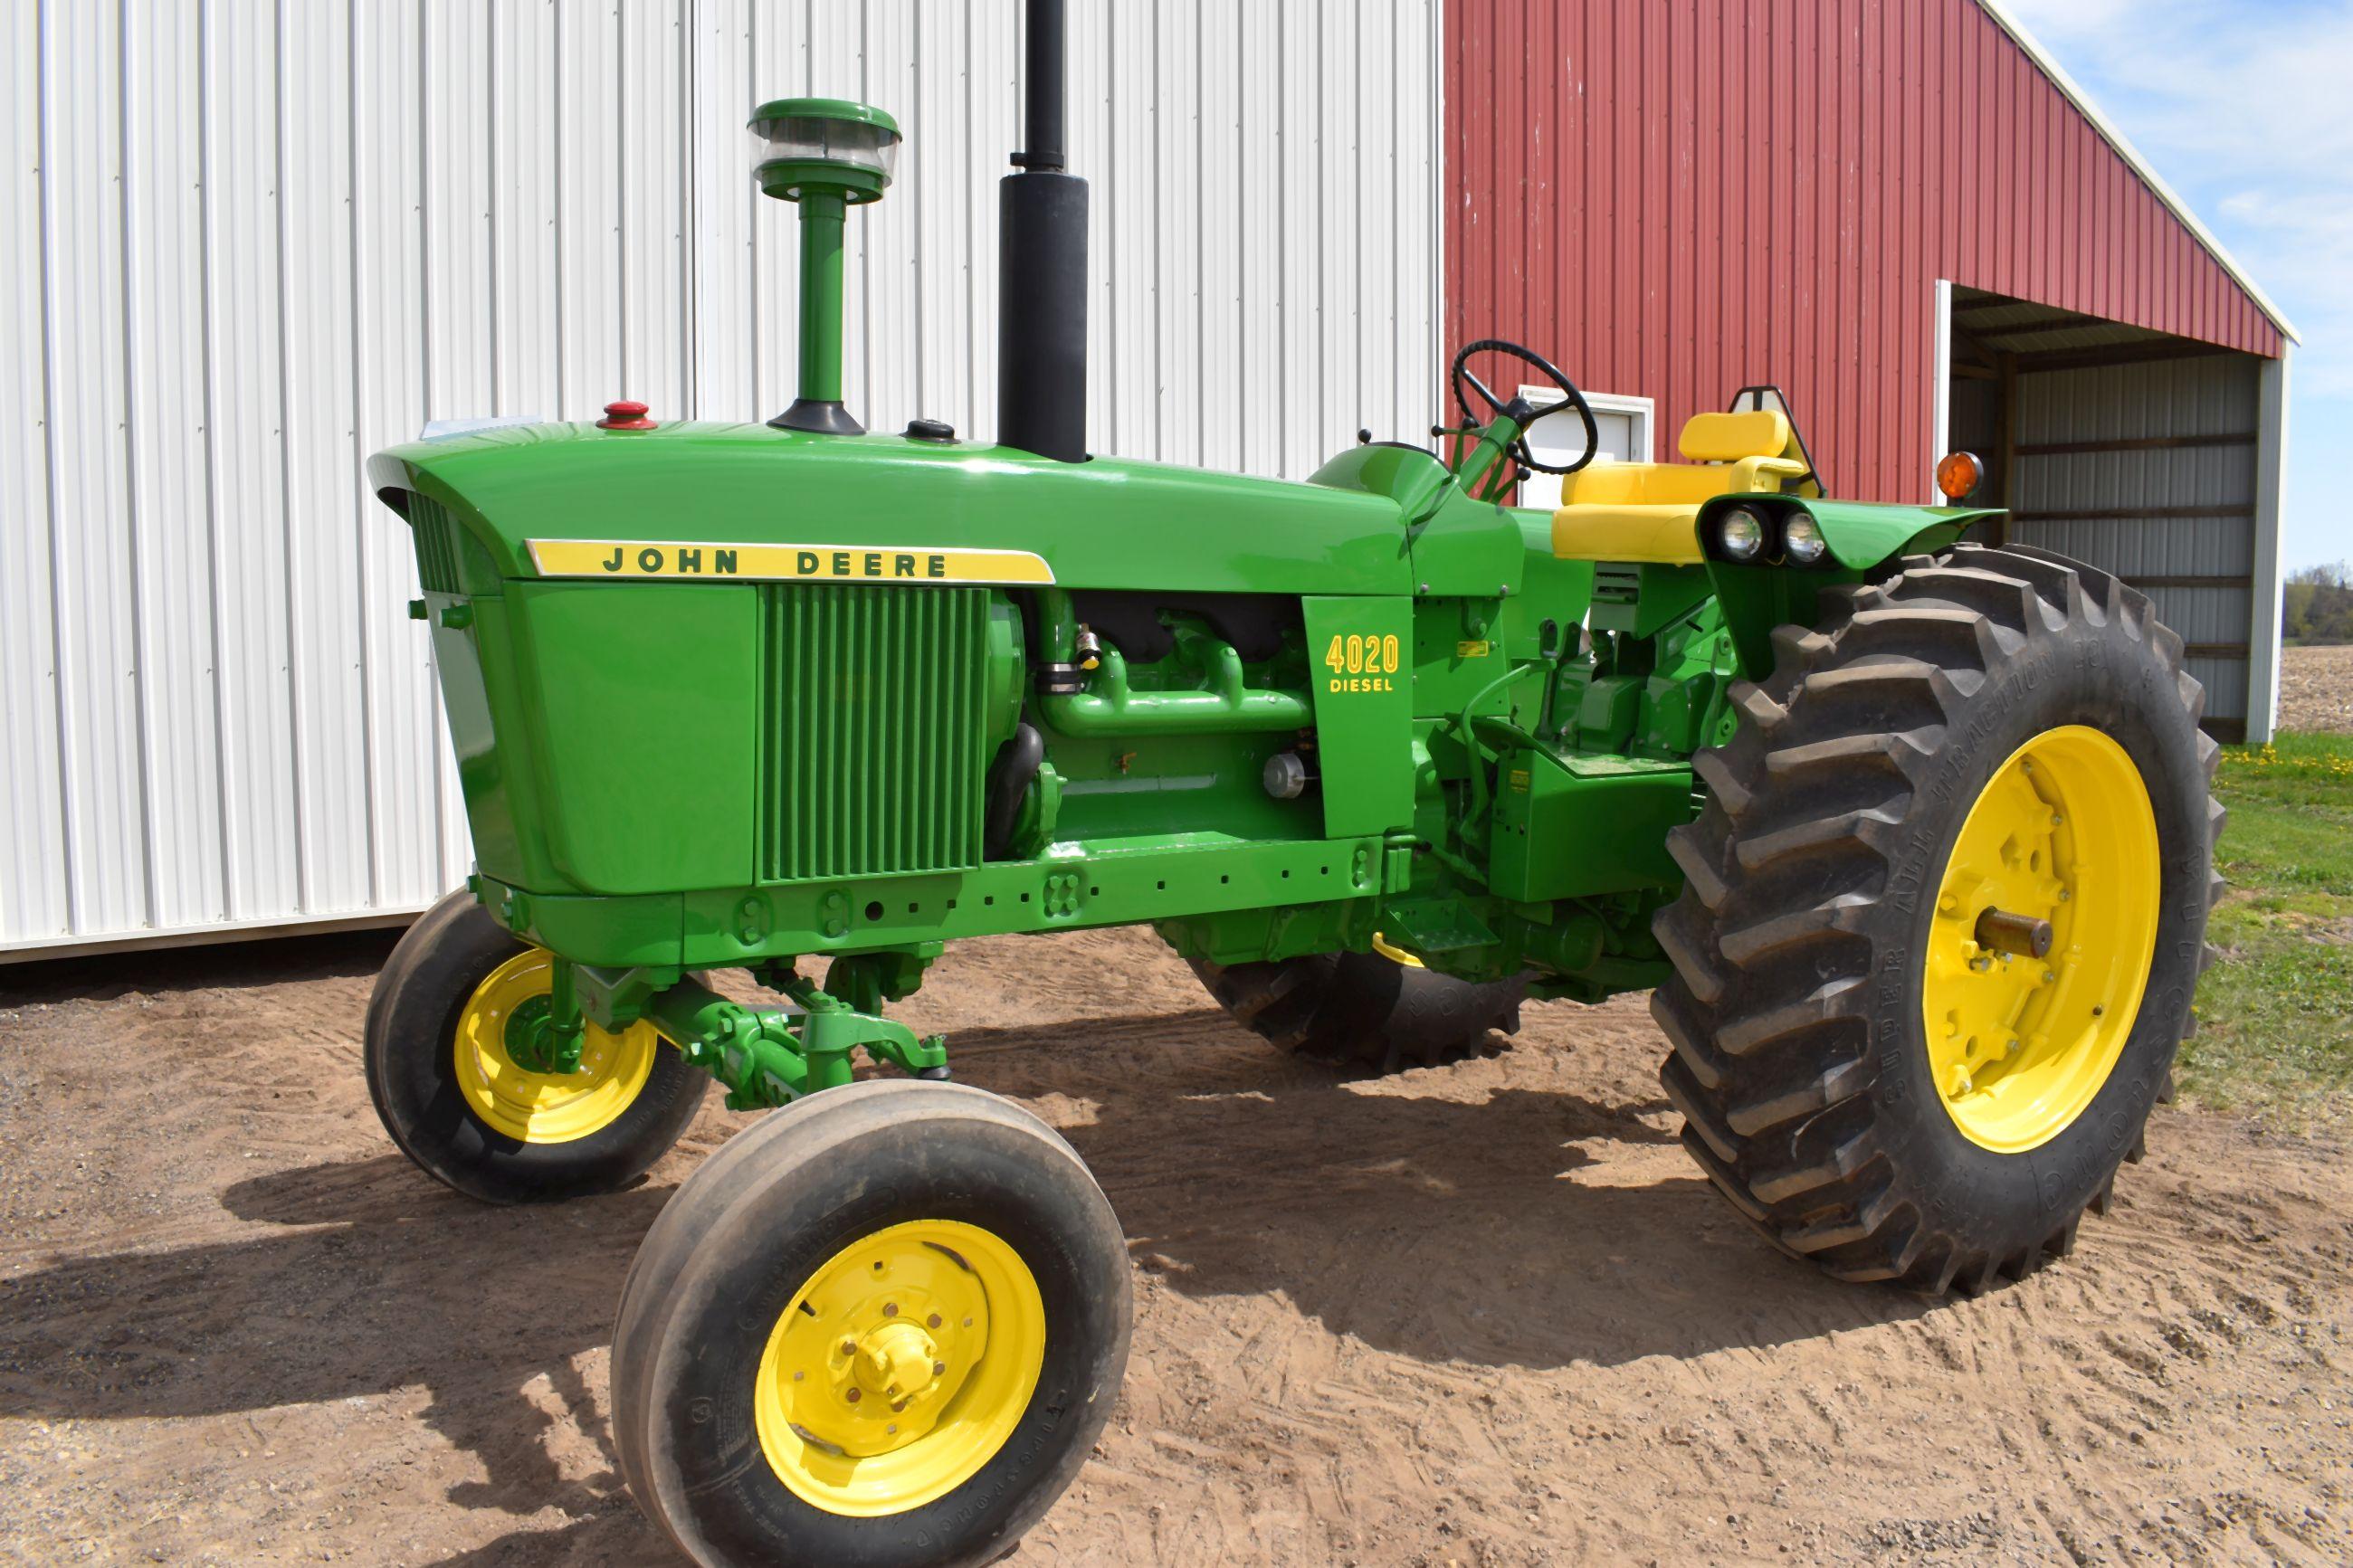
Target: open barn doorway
{"points": [[2132, 450]]}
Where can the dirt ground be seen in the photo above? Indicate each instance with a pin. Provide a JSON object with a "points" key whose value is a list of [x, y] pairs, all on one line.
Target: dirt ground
{"points": [[1484, 1315], [2316, 689]]}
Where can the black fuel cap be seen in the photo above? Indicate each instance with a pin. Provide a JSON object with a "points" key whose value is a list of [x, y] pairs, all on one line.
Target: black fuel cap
{"points": [[929, 431]]}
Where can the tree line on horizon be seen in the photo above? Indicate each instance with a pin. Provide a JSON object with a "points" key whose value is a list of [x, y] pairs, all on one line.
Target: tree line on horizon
{"points": [[2317, 604]]}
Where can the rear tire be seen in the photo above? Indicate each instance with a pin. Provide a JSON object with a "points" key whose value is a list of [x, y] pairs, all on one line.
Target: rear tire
{"points": [[1364, 1010], [413, 1062], [1819, 915], [727, 1383]]}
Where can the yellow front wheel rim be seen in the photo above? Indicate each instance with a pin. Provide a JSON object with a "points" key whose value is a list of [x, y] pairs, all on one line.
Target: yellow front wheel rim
{"points": [[900, 1369], [2063, 833], [544, 1108]]}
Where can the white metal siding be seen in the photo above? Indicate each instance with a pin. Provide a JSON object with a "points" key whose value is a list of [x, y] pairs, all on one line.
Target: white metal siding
{"points": [[248, 244]]}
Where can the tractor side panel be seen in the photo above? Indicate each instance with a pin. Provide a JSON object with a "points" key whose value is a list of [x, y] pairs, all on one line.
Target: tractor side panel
{"points": [[1360, 655], [1601, 828], [643, 719]]}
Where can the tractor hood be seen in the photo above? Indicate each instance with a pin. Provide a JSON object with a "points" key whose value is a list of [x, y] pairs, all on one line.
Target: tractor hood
{"points": [[696, 501]]}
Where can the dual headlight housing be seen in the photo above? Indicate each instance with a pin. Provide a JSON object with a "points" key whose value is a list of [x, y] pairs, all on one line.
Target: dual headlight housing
{"points": [[1752, 535]]}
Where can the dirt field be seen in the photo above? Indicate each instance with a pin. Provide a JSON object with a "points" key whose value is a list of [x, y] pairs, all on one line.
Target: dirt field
{"points": [[1477, 1316], [2316, 689]]}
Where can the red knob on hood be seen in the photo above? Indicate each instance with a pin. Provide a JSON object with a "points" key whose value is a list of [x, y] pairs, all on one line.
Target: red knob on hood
{"points": [[625, 414]]}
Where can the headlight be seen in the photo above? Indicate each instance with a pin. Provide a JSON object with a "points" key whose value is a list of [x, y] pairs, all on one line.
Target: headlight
{"points": [[1740, 534], [1801, 539]]}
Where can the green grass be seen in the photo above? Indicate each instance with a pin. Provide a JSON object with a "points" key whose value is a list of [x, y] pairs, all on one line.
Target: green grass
{"points": [[2275, 1015]]}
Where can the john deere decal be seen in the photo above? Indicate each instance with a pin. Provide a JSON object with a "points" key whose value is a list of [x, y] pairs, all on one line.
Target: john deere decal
{"points": [[783, 562]]}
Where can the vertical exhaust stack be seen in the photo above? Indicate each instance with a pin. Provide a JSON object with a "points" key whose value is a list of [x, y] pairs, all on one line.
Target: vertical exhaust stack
{"points": [[1041, 326]]}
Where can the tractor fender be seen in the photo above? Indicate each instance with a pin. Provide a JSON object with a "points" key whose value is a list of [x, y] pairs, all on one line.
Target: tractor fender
{"points": [[1862, 537]]}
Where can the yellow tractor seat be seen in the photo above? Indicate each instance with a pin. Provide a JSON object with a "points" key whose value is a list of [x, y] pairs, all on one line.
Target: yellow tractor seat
{"points": [[1650, 512]]}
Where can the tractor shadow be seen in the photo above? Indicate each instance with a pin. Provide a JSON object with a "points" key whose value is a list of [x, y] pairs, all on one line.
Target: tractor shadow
{"points": [[1516, 1226], [358, 1280], [1509, 1226]]}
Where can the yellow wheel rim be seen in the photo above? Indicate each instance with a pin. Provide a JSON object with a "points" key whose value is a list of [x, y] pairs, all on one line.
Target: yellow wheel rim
{"points": [[2063, 833], [544, 1108], [901, 1368]]}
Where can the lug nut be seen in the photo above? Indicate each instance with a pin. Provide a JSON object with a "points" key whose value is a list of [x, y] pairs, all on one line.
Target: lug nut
{"points": [[934, 1319], [890, 1309], [855, 1395], [939, 1369]]}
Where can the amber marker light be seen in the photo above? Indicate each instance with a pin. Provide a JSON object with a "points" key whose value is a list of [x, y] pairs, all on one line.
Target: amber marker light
{"points": [[1958, 473]]}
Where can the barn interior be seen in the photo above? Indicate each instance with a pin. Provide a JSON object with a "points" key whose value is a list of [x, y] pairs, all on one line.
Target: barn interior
{"points": [[2132, 449]]}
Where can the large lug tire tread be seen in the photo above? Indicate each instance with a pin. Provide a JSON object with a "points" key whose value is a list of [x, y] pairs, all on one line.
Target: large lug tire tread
{"points": [[745, 1231], [1794, 1008], [408, 1049], [1365, 1011]]}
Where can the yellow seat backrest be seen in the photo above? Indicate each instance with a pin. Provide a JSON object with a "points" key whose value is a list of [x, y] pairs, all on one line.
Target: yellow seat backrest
{"points": [[1649, 512], [1728, 437]]}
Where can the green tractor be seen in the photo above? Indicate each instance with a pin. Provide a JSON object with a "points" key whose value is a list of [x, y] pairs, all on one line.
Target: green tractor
{"points": [[1910, 839]]}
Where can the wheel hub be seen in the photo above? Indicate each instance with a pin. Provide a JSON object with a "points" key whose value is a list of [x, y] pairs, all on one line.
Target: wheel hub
{"points": [[516, 1084], [898, 1360], [530, 1039], [901, 1368], [2045, 929]]}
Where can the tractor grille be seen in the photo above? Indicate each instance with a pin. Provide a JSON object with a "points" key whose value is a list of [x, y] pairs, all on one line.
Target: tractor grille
{"points": [[872, 729], [437, 543]]}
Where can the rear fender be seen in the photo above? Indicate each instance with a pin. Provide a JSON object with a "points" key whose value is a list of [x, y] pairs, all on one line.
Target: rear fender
{"points": [[1863, 536]]}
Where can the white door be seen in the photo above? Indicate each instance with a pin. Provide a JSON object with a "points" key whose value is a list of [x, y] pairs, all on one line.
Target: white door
{"points": [[1622, 425]]}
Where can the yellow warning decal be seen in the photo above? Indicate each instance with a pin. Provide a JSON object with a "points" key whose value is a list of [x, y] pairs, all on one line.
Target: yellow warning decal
{"points": [[673, 559]]}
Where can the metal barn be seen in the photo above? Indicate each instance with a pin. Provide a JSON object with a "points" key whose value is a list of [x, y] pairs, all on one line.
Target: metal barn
{"points": [[247, 244], [1903, 214]]}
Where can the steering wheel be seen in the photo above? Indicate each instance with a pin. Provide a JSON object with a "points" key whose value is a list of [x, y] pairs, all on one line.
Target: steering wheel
{"points": [[1518, 409]]}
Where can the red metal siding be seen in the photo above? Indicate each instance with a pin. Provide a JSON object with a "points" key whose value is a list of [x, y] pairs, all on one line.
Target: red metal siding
{"points": [[1675, 197]]}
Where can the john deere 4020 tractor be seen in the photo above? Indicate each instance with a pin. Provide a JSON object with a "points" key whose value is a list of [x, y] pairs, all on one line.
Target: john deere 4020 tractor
{"points": [[1910, 838]]}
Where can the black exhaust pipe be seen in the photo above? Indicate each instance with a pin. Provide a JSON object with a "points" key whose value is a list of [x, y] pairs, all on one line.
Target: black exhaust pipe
{"points": [[1041, 321]]}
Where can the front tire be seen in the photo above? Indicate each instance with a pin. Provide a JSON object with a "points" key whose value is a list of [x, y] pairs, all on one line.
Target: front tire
{"points": [[882, 1326], [463, 1111], [1864, 1068]]}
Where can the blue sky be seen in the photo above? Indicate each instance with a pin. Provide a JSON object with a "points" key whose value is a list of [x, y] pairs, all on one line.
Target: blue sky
{"points": [[2242, 106]]}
